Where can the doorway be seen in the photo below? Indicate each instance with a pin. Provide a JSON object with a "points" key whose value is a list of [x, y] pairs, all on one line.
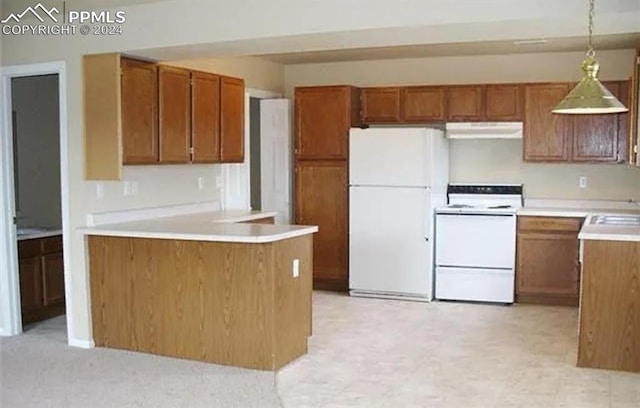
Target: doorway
{"points": [[35, 123], [270, 156], [34, 198]]}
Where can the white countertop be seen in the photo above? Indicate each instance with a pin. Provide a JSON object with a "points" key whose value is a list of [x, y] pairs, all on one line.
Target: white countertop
{"points": [[605, 232], [39, 234], [217, 226], [576, 208]]}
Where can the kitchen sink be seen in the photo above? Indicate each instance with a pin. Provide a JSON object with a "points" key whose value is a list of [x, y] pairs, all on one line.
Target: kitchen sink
{"points": [[616, 219]]}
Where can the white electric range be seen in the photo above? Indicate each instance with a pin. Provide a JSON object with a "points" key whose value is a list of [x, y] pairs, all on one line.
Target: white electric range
{"points": [[475, 243]]}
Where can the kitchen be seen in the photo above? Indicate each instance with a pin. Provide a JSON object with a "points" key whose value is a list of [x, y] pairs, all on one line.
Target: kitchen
{"points": [[471, 160]]}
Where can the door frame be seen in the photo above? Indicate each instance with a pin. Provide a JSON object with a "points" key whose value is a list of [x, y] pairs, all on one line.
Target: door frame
{"points": [[10, 310]]}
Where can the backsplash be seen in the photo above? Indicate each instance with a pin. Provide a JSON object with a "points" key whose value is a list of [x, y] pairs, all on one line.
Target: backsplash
{"points": [[496, 161]]}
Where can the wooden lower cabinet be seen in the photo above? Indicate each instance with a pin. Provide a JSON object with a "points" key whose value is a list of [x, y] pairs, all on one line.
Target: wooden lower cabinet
{"points": [[41, 271], [548, 267], [322, 199]]}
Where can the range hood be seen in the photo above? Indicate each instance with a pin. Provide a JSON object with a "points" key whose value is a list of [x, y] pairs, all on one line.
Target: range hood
{"points": [[484, 130]]}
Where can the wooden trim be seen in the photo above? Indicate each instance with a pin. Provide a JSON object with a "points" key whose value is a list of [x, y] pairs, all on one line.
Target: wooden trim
{"points": [[102, 117]]}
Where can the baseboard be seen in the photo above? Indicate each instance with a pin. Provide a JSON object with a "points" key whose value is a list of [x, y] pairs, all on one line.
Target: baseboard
{"points": [[550, 300], [85, 344], [333, 285]]}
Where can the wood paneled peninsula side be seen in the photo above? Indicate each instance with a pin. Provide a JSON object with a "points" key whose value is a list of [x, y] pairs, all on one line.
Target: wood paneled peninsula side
{"points": [[226, 293], [609, 332]]}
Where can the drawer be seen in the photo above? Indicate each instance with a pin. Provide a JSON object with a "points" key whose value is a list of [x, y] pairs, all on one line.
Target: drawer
{"points": [[28, 248], [52, 244], [549, 224]]}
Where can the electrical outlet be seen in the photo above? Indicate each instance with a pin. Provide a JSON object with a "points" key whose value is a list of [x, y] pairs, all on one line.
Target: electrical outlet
{"points": [[295, 272], [99, 190], [582, 181], [200, 183], [128, 188]]}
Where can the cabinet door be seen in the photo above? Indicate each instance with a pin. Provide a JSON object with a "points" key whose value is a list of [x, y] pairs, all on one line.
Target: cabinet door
{"points": [[205, 117], [548, 265], [546, 135], [381, 105], [31, 297], [464, 103], [321, 199], [504, 102], [53, 279], [323, 117], [597, 137], [139, 83], [424, 103], [175, 114], [231, 120]]}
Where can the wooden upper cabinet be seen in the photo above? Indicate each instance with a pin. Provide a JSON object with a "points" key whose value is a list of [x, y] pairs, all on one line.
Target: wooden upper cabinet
{"points": [[602, 137], [465, 103], [504, 103], [205, 117], [321, 199], [546, 135], [424, 104], [323, 116], [175, 114], [231, 120], [139, 95], [381, 105]]}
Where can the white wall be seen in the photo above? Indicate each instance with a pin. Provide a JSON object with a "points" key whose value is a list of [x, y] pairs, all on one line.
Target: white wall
{"points": [[35, 102], [495, 161]]}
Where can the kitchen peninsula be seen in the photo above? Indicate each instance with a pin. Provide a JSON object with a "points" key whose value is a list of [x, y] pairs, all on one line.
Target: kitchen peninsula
{"points": [[235, 293], [609, 330]]}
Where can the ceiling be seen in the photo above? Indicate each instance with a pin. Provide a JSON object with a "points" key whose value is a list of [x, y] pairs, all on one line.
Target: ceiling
{"points": [[608, 42]]}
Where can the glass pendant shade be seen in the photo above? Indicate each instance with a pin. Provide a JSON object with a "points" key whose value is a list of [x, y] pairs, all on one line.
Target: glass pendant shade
{"points": [[590, 96]]}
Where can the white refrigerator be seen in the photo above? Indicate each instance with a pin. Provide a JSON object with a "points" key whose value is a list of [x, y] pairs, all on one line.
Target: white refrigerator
{"points": [[397, 176]]}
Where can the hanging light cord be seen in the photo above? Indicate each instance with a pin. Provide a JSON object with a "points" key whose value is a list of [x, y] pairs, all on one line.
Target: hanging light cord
{"points": [[590, 51]]}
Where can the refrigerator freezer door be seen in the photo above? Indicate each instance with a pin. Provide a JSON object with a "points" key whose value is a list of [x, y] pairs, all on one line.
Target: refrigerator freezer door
{"points": [[390, 246], [389, 157]]}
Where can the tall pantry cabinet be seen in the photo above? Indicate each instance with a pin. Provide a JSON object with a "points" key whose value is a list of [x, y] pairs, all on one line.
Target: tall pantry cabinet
{"points": [[323, 117]]}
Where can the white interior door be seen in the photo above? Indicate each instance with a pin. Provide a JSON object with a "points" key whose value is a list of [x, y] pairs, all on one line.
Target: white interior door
{"points": [[275, 157]]}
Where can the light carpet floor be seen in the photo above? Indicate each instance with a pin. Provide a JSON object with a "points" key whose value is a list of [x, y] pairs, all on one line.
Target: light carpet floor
{"points": [[38, 369]]}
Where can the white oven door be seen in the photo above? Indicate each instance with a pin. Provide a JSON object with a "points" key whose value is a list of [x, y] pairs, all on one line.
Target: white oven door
{"points": [[476, 240]]}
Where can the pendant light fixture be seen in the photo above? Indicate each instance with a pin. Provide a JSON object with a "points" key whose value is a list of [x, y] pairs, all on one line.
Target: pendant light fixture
{"points": [[590, 96]]}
